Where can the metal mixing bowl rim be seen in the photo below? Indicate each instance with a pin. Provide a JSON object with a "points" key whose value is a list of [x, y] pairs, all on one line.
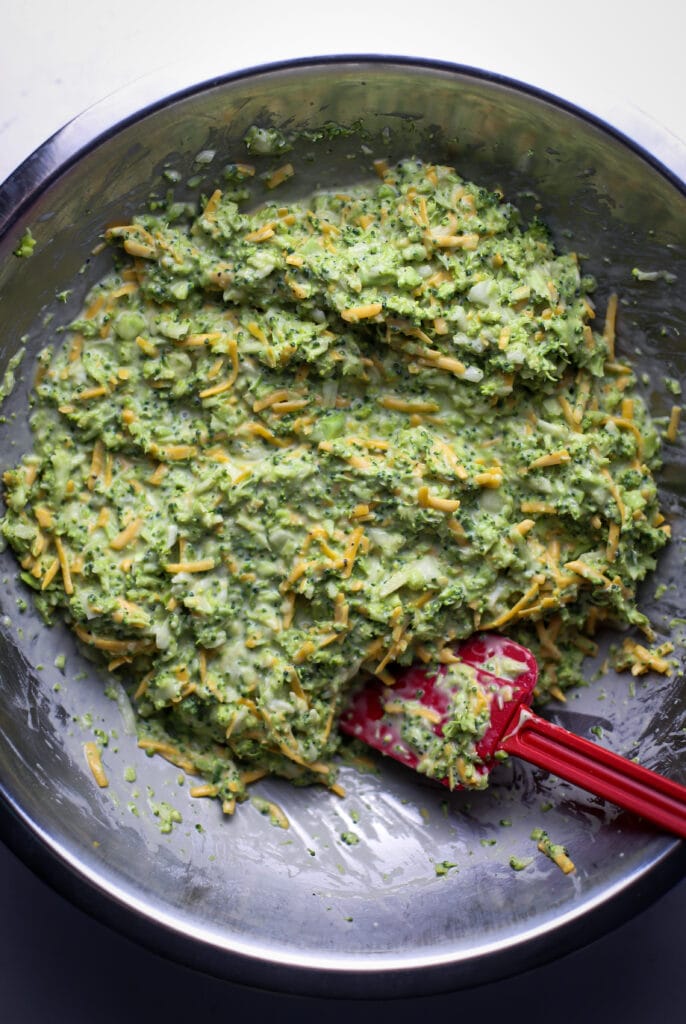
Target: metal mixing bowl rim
{"points": [[56, 154], [347, 976]]}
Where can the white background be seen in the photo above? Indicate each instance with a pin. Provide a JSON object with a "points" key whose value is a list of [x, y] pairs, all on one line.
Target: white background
{"points": [[621, 60]]}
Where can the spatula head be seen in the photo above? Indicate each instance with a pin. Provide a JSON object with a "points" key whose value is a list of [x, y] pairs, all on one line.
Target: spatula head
{"points": [[505, 674]]}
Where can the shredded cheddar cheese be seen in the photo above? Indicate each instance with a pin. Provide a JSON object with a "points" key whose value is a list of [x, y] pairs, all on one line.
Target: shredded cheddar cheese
{"points": [[289, 445], [94, 760]]}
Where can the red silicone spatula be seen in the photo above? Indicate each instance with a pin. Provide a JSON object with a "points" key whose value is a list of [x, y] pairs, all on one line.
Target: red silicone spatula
{"points": [[513, 728]]}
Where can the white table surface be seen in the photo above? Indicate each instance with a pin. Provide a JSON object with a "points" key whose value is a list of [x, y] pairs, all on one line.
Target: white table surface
{"points": [[623, 61], [620, 59]]}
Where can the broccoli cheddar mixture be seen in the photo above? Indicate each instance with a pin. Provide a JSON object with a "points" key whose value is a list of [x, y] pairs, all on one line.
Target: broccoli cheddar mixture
{"points": [[284, 448]]}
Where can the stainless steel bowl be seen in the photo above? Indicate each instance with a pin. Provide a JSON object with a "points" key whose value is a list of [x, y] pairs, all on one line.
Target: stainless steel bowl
{"points": [[300, 910]]}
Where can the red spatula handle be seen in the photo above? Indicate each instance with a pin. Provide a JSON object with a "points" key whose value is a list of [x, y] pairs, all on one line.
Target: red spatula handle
{"points": [[598, 770]]}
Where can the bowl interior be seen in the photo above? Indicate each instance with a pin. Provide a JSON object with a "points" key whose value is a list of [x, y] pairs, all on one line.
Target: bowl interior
{"points": [[291, 907]]}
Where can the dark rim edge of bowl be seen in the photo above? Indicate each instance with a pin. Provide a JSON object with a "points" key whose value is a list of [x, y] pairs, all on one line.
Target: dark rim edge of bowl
{"points": [[17, 194]]}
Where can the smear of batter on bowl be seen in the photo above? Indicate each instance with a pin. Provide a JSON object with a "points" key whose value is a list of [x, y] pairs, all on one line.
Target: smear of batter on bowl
{"points": [[280, 448]]}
